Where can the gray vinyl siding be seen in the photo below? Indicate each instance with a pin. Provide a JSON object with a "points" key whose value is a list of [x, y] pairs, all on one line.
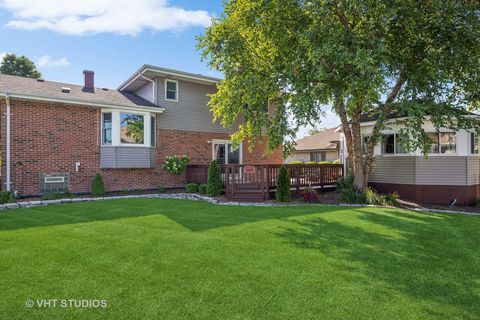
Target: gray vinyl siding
{"points": [[390, 169], [146, 92], [448, 170], [127, 157], [441, 170], [191, 112]]}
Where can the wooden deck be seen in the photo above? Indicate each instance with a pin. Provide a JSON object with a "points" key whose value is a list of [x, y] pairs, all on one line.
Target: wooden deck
{"points": [[258, 182]]}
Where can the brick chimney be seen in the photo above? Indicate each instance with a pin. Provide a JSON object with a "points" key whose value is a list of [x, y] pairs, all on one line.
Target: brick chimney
{"points": [[89, 81]]}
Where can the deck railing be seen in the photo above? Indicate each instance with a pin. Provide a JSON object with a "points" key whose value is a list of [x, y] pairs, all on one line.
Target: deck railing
{"points": [[262, 178]]}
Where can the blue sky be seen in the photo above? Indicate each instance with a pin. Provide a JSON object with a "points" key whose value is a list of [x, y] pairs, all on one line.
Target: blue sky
{"points": [[112, 37]]}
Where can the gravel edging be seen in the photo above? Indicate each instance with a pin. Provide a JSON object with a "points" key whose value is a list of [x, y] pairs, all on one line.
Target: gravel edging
{"points": [[197, 197]]}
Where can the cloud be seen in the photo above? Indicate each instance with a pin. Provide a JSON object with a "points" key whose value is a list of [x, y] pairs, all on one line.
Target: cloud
{"points": [[47, 62], [2, 55], [124, 17]]}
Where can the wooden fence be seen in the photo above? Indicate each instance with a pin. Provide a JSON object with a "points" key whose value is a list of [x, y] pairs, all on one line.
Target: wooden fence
{"points": [[258, 182]]}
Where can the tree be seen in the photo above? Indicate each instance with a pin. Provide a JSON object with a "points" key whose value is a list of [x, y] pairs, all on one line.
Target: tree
{"points": [[282, 192], [19, 66], [214, 180], [98, 187], [371, 57]]}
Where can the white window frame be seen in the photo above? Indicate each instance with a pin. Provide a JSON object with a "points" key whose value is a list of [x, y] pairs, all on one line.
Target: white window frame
{"points": [[395, 153], [102, 129], [116, 119], [176, 93], [226, 143], [439, 153]]}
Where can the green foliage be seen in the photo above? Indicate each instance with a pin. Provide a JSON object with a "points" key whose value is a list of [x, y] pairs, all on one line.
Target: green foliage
{"points": [[19, 66], [175, 164], [336, 161], [214, 182], [373, 197], [7, 197], [51, 196], [347, 190], [391, 199], [325, 162], [161, 189], [98, 187], [202, 189], [283, 193], [311, 162], [295, 162], [67, 194], [191, 188]]}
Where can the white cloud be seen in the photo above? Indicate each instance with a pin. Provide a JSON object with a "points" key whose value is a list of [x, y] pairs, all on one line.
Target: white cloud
{"points": [[47, 62], [124, 17], [2, 55]]}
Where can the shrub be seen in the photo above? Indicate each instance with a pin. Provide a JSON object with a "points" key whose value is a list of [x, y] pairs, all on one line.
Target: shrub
{"points": [[348, 192], [282, 193], [310, 195], [325, 162], [191, 188], [98, 188], [372, 197], [175, 164], [295, 162], [202, 189], [160, 189], [214, 181], [336, 161], [67, 194], [7, 197], [51, 196], [310, 162], [391, 199]]}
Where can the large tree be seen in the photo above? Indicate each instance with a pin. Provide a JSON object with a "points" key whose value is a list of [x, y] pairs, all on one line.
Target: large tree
{"points": [[19, 66], [417, 58]]}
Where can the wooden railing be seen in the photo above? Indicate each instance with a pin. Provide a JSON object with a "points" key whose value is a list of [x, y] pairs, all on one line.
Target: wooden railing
{"points": [[262, 178]]}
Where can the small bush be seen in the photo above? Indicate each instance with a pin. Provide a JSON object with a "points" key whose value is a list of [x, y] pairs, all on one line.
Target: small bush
{"points": [[67, 194], [336, 161], [7, 197], [295, 162], [391, 199], [348, 192], [372, 197], [51, 196], [214, 181], [161, 189], [98, 187], [202, 189], [191, 188], [310, 195], [175, 164], [325, 162], [310, 162], [282, 193]]}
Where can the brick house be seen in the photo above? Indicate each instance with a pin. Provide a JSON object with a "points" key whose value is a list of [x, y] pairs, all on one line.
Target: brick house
{"points": [[57, 136]]}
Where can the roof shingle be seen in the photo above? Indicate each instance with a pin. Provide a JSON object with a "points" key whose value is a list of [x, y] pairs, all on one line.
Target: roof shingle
{"points": [[320, 141]]}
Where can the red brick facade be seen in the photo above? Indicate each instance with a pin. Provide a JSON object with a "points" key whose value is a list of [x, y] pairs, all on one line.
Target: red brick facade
{"points": [[50, 138]]}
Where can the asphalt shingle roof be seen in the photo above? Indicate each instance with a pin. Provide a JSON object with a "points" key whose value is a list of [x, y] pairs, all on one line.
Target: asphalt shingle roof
{"points": [[320, 141], [49, 89]]}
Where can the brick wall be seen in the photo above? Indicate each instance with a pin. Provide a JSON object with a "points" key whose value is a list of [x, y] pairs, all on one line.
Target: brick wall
{"points": [[50, 138]]}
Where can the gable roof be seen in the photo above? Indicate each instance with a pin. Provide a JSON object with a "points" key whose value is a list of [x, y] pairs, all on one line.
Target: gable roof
{"points": [[52, 91], [325, 140]]}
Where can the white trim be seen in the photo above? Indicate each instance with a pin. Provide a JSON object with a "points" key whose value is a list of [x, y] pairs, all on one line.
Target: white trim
{"points": [[154, 89], [84, 103], [176, 92], [102, 128], [226, 143]]}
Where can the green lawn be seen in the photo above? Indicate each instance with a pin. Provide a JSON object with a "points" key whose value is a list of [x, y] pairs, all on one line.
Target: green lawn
{"points": [[171, 259]]}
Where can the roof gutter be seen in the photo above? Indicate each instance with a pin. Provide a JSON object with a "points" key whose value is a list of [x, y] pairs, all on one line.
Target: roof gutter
{"points": [[83, 102]]}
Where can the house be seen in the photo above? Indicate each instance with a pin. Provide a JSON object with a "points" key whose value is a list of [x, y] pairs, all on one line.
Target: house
{"points": [[450, 170], [57, 136], [322, 146]]}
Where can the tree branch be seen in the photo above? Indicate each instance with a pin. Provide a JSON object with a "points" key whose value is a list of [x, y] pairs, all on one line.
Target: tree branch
{"points": [[341, 16]]}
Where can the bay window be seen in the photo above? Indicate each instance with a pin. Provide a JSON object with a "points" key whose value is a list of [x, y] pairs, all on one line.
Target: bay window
{"points": [[120, 128], [443, 142]]}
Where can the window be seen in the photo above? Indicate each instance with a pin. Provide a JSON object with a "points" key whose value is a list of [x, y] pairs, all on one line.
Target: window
{"points": [[474, 143], [107, 128], [318, 156], [391, 144], [131, 128], [226, 153], [171, 90], [153, 131], [364, 143], [443, 142]]}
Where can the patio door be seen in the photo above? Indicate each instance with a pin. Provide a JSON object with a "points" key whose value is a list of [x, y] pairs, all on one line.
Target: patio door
{"points": [[225, 153]]}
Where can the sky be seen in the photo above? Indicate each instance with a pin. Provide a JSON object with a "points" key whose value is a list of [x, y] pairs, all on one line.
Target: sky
{"points": [[111, 37]]}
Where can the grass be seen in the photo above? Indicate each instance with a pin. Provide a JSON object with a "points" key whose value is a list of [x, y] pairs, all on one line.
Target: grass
{"points": [[172, 259]]}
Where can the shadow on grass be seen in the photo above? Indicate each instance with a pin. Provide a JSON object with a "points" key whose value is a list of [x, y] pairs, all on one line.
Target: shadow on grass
{"points": [[193, 215], [427, 257]]}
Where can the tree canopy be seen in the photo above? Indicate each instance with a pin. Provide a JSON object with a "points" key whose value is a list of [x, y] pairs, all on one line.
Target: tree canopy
{"points": [[295, 57], [19, 66]]}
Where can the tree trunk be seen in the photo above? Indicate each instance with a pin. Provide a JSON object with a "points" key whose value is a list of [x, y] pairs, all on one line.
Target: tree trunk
{"points": [[358, 164], [346, 131]]}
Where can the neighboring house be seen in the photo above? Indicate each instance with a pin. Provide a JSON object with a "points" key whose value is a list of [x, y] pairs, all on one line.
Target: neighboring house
{"points": [[450, 170], [56, 136], [322, 146]]}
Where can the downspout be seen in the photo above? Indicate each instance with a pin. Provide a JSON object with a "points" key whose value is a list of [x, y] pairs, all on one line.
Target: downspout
{"points": [[154, 87], [7, 136]]}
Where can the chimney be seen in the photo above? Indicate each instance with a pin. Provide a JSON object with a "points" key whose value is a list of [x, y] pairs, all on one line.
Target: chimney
{"points": [[89, 81]]}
